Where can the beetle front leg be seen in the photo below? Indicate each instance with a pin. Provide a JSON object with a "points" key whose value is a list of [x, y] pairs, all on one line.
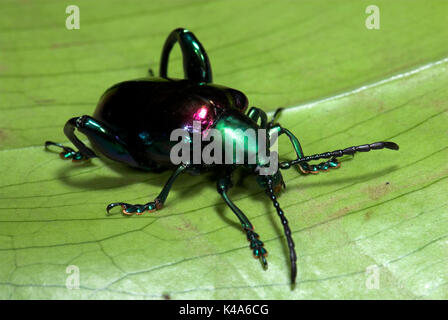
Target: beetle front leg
{"points": [[255, 114], [304, 166], [256, 245], [157, 204], [274, 117]]}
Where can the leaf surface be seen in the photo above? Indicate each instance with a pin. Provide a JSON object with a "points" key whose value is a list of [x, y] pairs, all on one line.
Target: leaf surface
{"points": [[341, 85]]}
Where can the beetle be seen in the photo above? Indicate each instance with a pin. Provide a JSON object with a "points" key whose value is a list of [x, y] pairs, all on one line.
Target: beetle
{"points": [[133, 121]]}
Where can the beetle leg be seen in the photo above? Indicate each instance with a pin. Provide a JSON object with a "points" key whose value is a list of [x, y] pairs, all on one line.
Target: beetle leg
{"points": [[67, 152], [157, 204], [274, 117], [84, 152], [255, 244], [105, 140], [304, 166], [196, 64], [255, 114], [307, 168]]}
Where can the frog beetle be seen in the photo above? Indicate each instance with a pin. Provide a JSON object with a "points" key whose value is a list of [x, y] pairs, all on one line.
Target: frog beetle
{"points": [[133, 121]]}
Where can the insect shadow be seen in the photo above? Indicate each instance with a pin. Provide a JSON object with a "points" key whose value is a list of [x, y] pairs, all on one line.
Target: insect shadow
{"points": [[127, 176]]}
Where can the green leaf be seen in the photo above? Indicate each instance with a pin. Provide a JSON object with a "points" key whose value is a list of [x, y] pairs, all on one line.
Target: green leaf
{"points": [[384, 208]]}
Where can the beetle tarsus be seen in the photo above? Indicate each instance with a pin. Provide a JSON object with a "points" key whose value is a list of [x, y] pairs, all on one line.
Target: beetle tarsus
{"points": [[67, 152], [137, 209], [307, 168], [257, 246]]}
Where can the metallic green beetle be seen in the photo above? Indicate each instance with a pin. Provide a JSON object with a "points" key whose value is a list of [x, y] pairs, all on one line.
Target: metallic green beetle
{"points": [[134, 120]]}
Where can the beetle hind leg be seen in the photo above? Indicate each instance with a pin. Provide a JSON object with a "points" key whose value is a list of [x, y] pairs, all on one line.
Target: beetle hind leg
{"points": [[196, 63], [83, 153]]}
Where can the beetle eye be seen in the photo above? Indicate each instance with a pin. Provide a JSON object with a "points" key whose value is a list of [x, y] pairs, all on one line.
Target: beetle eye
{"points": [[239, 99]]}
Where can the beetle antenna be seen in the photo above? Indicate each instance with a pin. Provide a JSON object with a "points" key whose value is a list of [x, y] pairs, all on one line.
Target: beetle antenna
{"points": [[340, 153], [287, 230]]}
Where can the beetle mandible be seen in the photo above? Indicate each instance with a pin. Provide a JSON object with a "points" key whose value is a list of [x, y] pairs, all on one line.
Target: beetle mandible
{"points": [[133, 121]]}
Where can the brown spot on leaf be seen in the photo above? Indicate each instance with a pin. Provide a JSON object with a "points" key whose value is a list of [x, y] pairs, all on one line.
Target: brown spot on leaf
{"points": [[2, 135], [341, 212], [379, 191], [380, 106], [438, 104], [368, 214], [187, 226]]}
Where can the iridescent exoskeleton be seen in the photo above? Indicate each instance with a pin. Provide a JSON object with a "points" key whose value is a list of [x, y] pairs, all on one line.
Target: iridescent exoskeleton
{"points": [[134, 119]]}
